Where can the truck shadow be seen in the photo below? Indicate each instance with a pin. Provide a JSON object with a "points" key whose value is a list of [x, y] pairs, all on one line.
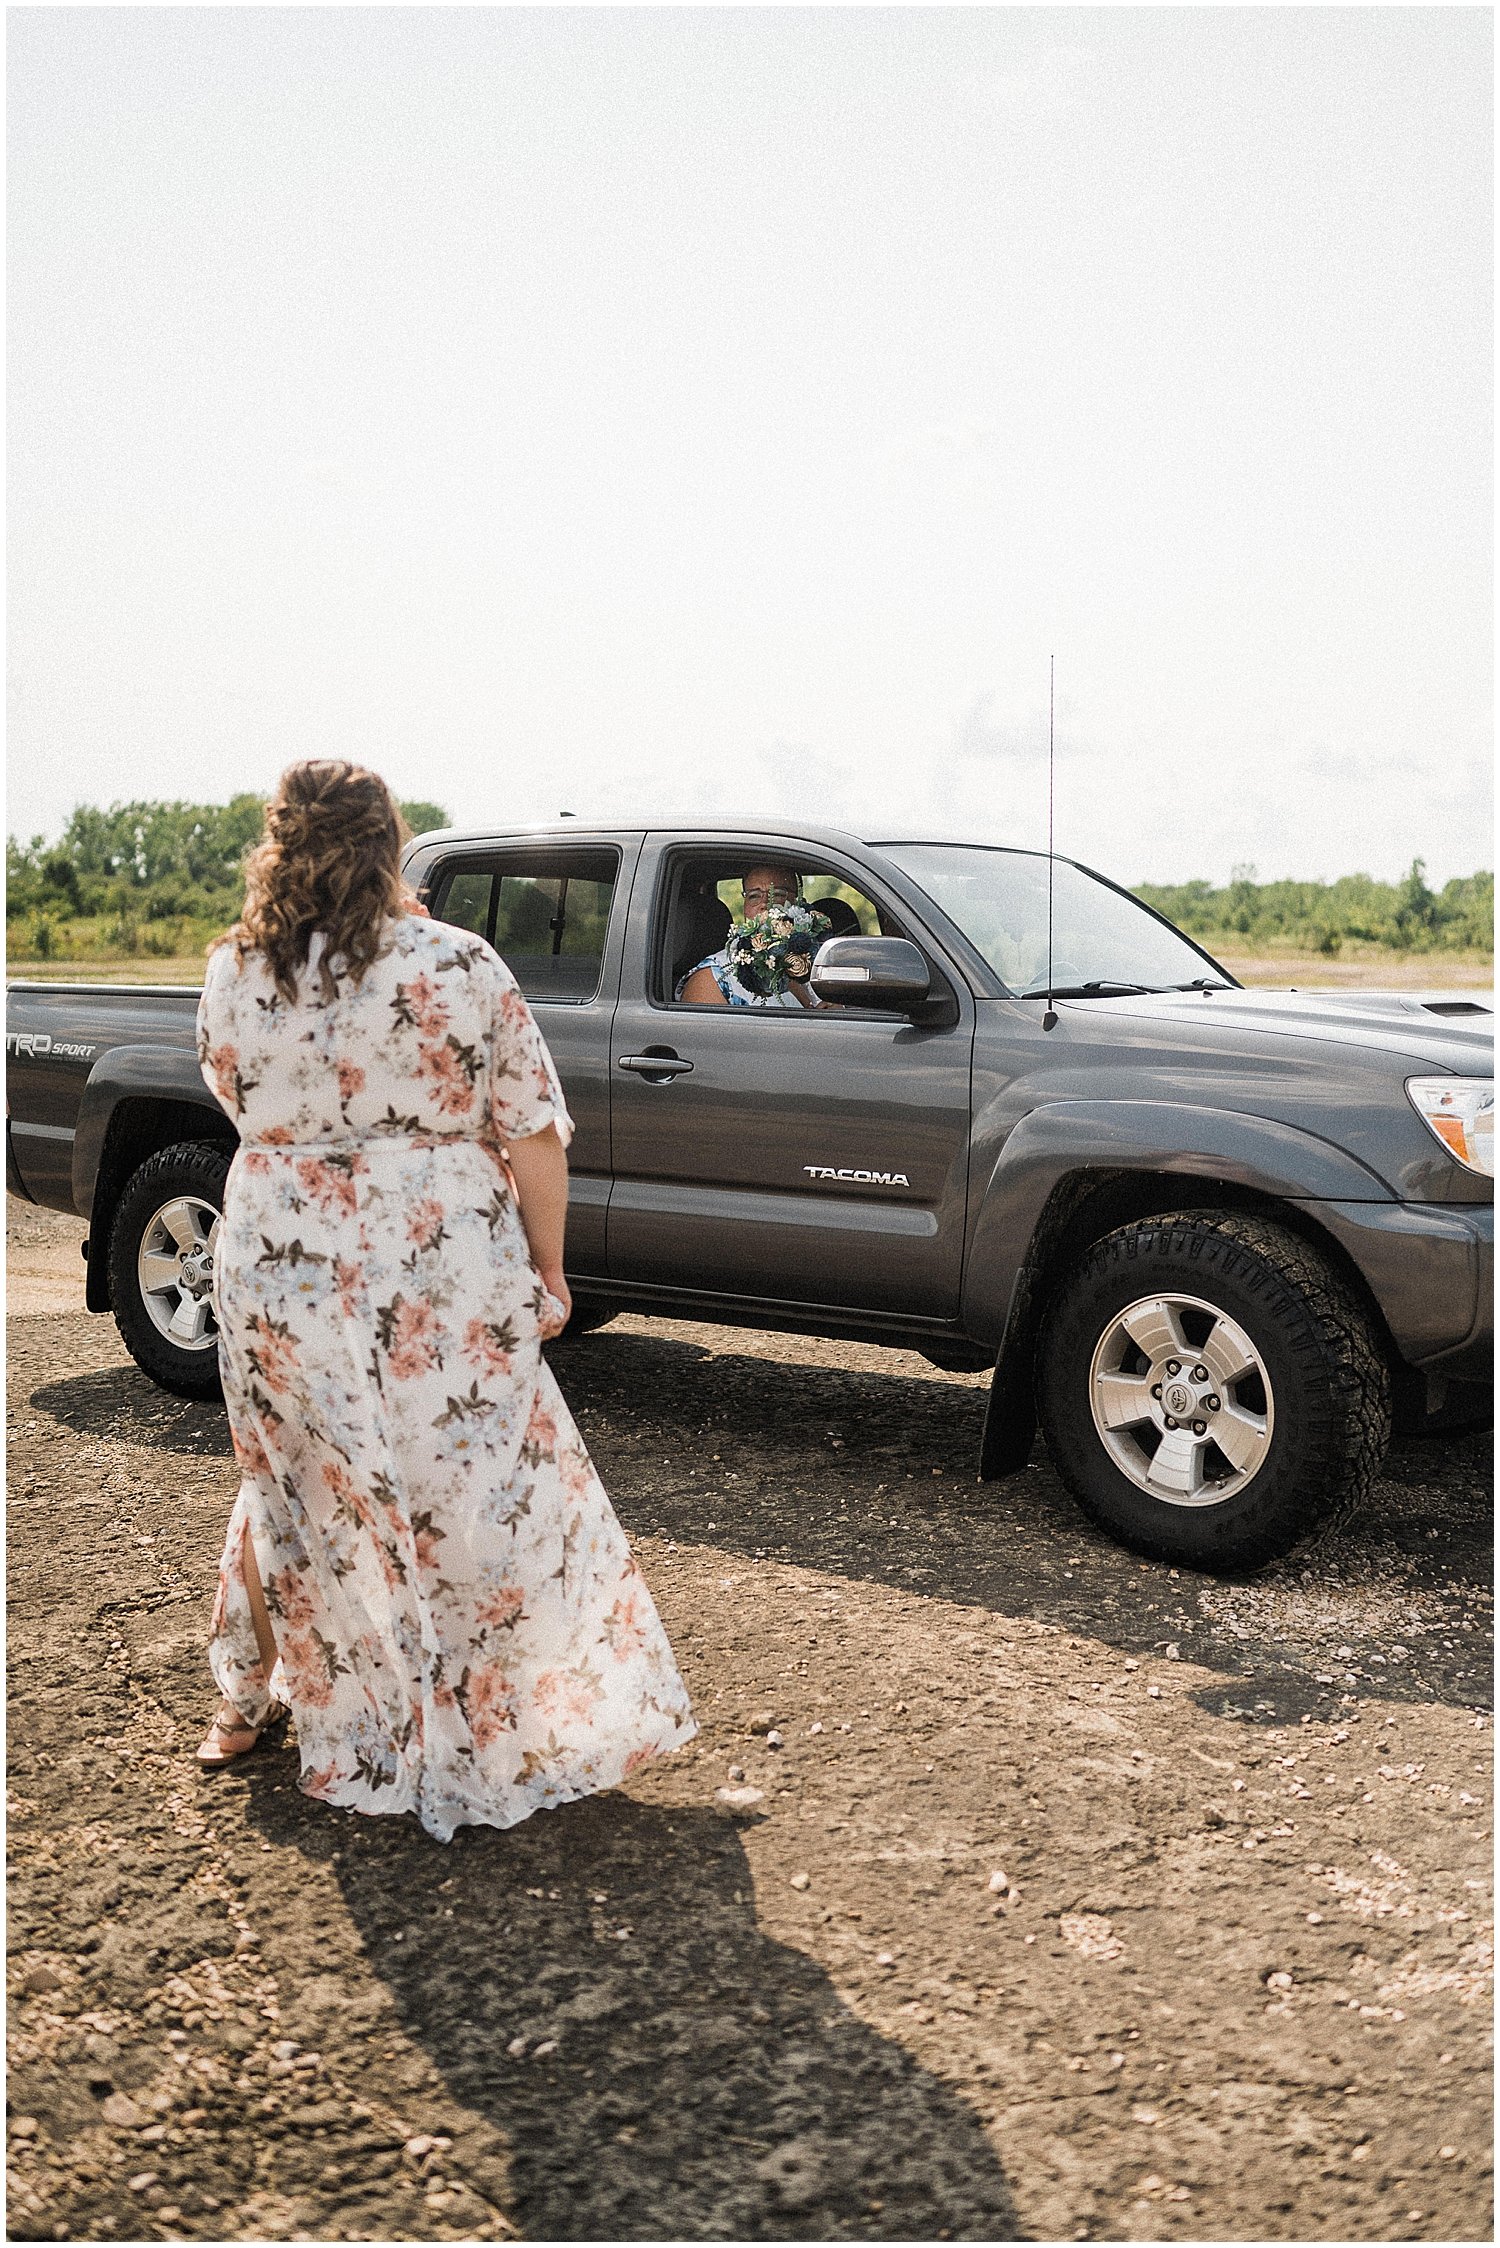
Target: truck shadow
{"points": [[703, 2081], [122, 1404], [872, 1474]]}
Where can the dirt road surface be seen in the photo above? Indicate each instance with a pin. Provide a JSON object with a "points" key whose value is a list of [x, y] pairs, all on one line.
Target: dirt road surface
{"points": [[1081, 1898]]}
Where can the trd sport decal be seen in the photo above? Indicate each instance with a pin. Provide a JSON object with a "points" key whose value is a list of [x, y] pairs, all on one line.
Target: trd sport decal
{"points": [[860, 1178], [40, 1042]]}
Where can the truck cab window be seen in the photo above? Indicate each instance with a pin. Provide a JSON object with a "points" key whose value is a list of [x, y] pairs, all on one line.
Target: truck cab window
{"points": [[707, 897]]}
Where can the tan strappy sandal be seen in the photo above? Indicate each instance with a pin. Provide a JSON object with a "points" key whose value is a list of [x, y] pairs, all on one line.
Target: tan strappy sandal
{"points": [[230, 1736]]}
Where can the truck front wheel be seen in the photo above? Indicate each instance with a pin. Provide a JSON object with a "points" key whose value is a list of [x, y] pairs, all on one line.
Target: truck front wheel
{"points": [[161, 1266], [1210, 1389]]}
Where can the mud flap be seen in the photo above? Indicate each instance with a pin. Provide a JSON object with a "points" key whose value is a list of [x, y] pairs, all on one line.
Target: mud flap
{"points": [[1009, 1418], [97, 1295]]}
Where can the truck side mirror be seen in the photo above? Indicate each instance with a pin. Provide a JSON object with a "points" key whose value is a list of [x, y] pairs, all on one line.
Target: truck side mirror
{"points": [[883, 972]]}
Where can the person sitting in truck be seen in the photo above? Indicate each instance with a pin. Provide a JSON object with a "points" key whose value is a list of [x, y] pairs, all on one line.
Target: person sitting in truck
{"points": [[714, 982]]}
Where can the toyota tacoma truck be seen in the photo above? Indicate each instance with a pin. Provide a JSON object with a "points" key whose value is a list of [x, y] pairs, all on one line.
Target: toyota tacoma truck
{"points": [[1216, 1242]]}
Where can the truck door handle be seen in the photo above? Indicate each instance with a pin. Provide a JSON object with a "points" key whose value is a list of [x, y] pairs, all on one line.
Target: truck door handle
{"points": [[657, 1068]]}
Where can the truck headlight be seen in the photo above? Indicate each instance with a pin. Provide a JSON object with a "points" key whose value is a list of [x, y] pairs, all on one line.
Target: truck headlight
{"points": [[1461, 1112]]}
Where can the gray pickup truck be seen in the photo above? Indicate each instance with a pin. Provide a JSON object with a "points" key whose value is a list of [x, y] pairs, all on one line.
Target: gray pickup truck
{"points": [[1215, 1240]]}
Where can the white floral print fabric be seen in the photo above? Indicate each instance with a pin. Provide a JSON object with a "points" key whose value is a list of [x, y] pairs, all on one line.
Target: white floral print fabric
{"points": [[461, 1629]]}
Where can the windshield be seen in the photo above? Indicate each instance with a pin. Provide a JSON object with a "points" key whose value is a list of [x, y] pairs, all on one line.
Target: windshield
{"points": [[1100, 936]]}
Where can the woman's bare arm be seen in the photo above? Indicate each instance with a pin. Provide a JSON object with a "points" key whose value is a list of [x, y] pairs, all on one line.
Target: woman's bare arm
{"points": [[539, 1166], [702, 990]]}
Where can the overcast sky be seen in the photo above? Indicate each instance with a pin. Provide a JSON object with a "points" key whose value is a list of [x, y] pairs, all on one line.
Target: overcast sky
{"points": [[653, 411]]}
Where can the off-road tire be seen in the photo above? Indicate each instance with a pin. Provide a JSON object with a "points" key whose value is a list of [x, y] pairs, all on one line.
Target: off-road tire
{"points": [[1329, 1378], [191, 1167]]}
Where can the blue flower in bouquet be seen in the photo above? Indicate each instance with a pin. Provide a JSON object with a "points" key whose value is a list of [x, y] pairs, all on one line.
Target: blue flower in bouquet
{"points": [[767, 951]]}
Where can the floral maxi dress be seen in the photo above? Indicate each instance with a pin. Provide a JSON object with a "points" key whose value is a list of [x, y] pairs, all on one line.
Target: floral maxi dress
{"points": [[461, 1629]]}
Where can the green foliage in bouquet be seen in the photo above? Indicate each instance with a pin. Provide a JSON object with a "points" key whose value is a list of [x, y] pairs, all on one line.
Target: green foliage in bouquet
{"points": [[769, 950]]}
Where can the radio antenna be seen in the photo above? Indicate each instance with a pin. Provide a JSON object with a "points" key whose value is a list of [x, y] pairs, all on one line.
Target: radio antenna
{"points": [[1049, 1012]]}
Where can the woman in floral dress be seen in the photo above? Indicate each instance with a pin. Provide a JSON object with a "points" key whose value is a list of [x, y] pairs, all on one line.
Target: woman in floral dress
{"points": [[421, 1561]]}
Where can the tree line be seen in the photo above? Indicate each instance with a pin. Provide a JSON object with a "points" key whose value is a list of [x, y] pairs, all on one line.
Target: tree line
{"points": [[1406, 916], [151, 877], [166, 878]]}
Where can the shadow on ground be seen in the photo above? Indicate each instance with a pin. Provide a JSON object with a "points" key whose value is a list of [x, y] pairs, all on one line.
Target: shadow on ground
{"points": [[123, 1404], [847, 1486], [704, 2081], [703, 1446]]}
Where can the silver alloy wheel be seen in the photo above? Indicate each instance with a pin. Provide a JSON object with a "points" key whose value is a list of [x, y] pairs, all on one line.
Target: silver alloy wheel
{"points": [[1189, 1421], [175, 1267]]}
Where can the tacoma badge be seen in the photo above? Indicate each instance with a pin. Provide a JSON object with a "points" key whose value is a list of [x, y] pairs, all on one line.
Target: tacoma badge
{"points": [[861, 1178]]}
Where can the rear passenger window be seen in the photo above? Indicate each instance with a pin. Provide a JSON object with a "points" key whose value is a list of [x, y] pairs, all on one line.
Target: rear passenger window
{"points": [[545, 913], [468, 902]]}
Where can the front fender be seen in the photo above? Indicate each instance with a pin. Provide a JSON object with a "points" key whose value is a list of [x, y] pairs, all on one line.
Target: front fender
{"points": [[1066, 1141], [1072, 1138], [161, 1073]]}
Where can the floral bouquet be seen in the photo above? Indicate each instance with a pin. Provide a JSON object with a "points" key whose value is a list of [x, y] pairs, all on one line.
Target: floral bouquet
{"points": [[770, 950]]}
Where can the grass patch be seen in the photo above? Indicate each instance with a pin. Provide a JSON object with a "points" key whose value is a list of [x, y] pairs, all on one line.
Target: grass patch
{"points": [[184, 969], [36, 944]]}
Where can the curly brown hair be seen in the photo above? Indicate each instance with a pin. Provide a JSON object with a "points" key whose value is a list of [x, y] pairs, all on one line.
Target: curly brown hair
{"points": [[329, 860]]}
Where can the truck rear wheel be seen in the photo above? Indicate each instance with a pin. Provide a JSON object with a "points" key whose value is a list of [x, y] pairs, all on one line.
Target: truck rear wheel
{"points": [[1211, 1391], [161, 1251]]}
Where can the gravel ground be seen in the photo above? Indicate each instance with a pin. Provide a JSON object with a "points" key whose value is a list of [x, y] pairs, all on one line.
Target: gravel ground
{"points": [[1015, 1888]]}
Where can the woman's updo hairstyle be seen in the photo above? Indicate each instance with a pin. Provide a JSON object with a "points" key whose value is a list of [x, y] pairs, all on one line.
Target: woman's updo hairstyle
{"points": [[329, 860]]}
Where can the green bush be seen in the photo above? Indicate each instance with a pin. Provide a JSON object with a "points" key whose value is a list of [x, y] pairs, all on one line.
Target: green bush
{"points": [[420, 817]]}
